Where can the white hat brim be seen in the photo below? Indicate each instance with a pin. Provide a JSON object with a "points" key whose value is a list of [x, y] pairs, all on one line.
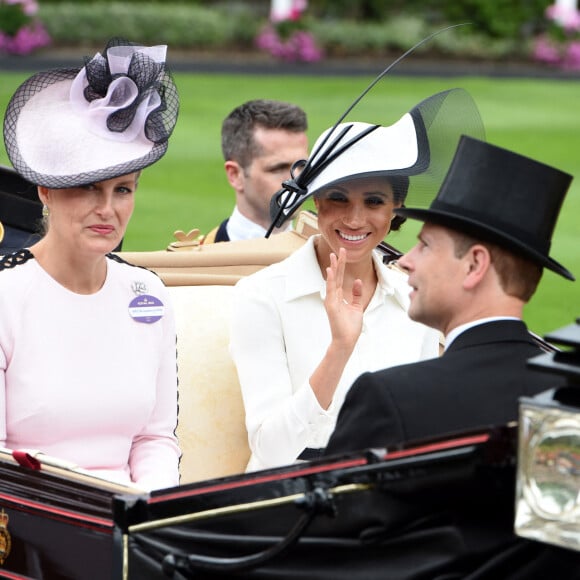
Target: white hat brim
{"points": [[384, 150]]}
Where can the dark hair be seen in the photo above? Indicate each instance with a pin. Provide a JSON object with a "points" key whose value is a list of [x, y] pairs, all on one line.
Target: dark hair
{"points": [[238, 127], [518, 276], [400, 185]]}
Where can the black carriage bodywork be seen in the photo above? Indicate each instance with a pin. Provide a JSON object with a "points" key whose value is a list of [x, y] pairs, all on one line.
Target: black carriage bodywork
{"points": [[323, 519], [333, 518], [54, 523], [63, 527], [402, 513]]}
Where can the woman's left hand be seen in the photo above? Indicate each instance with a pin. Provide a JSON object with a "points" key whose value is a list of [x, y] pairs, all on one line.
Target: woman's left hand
{"points": [[345, 318], [345, 315]]}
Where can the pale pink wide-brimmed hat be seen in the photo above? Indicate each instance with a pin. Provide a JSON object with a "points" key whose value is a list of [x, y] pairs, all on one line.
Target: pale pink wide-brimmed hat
{"points": [[70, 127]]}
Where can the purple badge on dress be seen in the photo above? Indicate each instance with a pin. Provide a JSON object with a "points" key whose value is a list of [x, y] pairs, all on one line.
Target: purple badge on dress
{"points": [[146, 308]]}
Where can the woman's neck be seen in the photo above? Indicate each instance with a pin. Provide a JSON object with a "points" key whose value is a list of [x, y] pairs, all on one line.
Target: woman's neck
{"points": [[78, 273]]}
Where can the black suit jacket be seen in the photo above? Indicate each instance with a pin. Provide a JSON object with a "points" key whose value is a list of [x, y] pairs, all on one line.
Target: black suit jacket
{"points": [[222, 232], [476, 383]]}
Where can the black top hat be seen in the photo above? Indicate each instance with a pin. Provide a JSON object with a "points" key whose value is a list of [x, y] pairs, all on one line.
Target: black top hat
{"points": [[500, 196]]}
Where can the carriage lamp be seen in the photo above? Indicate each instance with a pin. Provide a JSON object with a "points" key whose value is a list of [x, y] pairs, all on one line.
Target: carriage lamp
{"points": [[548, 472]]}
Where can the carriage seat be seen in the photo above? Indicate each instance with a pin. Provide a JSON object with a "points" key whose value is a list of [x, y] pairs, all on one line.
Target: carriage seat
{"points": [[211, 422]]}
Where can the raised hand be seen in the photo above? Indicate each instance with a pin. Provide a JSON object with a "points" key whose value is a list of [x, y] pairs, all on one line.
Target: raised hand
{"points": [[345, 312]]}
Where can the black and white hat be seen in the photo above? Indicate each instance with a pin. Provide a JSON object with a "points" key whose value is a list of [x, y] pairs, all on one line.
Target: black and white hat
{"points": [[420, 145]]}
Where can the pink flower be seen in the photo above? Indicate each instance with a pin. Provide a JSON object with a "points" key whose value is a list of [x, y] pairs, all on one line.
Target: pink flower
{"points": [[571, 23], [567, 18], [545, 51], [561, 45], [571, 60], [287, 10], [27, 39], [30, 7], [299, 46], [306, 47], [30, 36]]}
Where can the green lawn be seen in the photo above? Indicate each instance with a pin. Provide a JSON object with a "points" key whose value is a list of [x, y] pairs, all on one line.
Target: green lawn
{"points": [[188, 189]]}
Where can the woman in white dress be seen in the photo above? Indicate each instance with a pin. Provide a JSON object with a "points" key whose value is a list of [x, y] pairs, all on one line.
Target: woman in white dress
{"points": [[292, 321]]}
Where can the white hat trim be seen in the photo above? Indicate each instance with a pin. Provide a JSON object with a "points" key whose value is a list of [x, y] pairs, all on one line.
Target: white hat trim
{"points": [[384, 149], [80, 127]]}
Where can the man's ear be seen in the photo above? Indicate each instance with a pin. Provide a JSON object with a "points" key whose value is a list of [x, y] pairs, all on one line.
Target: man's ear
{"points": [[478, 260], [235, 175]]}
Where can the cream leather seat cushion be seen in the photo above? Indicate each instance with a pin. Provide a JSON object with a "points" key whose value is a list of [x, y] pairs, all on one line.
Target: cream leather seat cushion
{"points": [[211, 425]]}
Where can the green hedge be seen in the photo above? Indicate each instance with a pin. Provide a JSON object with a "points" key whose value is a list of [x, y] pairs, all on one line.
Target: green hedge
{"points": [[232, 26], [176, 24], [496, 18]]}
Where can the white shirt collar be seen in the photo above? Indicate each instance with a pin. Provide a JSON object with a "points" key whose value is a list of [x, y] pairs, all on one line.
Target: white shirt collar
{"points": [[453, 334], [241, 228], [307, 278]]}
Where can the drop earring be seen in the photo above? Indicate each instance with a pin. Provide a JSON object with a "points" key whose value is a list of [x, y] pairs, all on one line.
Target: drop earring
{"points": [[45, 211]]}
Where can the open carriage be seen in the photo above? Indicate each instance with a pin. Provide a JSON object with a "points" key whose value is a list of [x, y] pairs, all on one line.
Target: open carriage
{"points": [[332, 518]]}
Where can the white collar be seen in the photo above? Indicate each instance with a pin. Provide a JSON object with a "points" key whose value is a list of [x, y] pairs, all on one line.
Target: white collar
{"points": [[239, 227], [306, 278]]}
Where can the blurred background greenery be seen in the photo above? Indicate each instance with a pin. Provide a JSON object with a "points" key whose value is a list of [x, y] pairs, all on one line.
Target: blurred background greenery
{"points": [[187, 189], [498, 28]]}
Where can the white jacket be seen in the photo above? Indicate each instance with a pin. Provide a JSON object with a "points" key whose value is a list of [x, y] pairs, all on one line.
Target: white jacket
{"points": [[280, 333]]}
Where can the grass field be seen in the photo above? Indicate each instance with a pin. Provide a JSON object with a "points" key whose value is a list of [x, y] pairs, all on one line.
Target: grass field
{"points": [[187, 188]]}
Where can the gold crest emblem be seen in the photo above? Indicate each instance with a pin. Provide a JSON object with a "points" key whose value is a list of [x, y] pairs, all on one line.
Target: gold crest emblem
{"points": [[5, 539]]}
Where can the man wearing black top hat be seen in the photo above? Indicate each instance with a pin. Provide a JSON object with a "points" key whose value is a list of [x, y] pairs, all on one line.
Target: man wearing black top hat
{"points": [[479, 258]]}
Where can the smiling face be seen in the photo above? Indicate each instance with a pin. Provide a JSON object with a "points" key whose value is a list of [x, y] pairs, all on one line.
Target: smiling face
{"points": [[91, 218], [355, 215]]}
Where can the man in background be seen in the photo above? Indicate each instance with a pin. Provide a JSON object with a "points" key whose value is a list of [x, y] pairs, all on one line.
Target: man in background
{"points": [[261, 139]]}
